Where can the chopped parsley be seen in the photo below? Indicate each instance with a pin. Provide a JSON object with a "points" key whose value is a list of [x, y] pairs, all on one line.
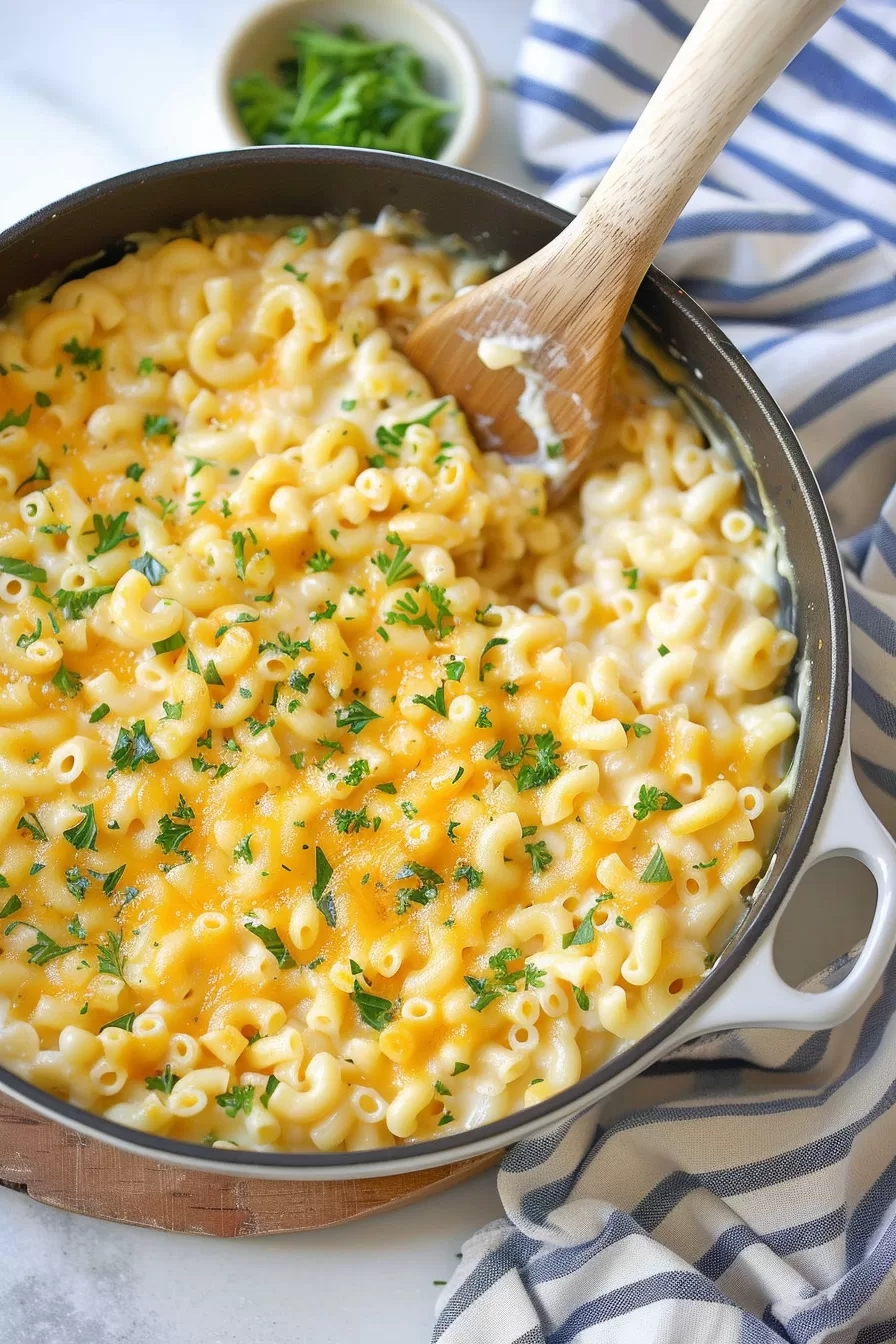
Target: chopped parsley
{"points": [[89, 357], [243, 849], [66, 681], [162, 1082], [274, 944], [320, 561], [239, 1098], [75, 603], [175, 829], [350, 823], [504, 981], [632, 576], [435, 702], [132, 749], [270, 1088], [322, 898], [657, 869], [110, 532], [159, 426], [355, 717], [33, 827], [83, 834], [109, 955], [540, 855], [395, 568], [464, 872], [373, 1010], [544, 768], [44, 948], [151, 568], [22, 569], [651, 800], [487, 667], [426, 891], [99, 713]]}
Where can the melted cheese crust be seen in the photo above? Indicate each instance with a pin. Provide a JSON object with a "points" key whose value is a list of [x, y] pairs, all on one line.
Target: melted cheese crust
{"points": [[348, 796]]}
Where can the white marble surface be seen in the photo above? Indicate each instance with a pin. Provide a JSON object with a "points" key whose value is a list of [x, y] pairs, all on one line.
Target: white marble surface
{"points": [[87, 91]]}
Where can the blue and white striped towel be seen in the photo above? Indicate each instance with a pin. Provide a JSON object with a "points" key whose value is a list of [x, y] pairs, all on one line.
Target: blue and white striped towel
{"points": [[745, 1191]]}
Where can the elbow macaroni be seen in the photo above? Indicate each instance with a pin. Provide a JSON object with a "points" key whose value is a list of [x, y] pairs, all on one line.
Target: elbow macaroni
{"points": [[348, 797]]}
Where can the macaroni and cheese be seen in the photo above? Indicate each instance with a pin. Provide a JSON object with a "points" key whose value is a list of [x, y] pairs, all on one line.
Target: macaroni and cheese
{"points": [[349, 796]]}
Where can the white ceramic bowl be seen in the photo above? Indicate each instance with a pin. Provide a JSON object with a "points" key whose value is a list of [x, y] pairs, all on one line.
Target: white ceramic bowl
{"points": [[452, 66]]}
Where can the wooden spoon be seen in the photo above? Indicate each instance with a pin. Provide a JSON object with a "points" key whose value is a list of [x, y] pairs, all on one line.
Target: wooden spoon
{"points": [[566, 305]]}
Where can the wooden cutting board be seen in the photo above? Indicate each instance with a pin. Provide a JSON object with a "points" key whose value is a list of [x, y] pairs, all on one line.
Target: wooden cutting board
{"points": [[57, 1166]]}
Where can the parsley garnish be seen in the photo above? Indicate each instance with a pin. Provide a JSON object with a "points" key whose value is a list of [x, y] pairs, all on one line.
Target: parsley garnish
{"points": [[11, 906], [132, 748], [710, 863], [134, 471], [270, 1088], [109, 957], [422, 895], [540, 855], [395, 568], [125, 1022], [455, 668], [585, 932], [487, 667], [83, 834], [651, 799], [657, 869], [69, 683], [25, 641], [169, 645], [44, 948], [22, 569], [376, 1012], [33, 827], [355, 717], [545, 768], [435, 702], [632, 576], [162, 1082], [110, 533], [581, 997], [153, 570], [11, 420], [156, 426], [73, 603], [349, 823], [175, 829], [458, 1068], [274, 944], [99, 713], [239, 1098], [320, 561], [472, 876], [173, 711], [504, 981], [91, 358], [243, 850], [356, 772], [319, 894]]}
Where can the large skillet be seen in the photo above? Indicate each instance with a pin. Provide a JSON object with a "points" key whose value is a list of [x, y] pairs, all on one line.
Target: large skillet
{"points": [[826, 815]]}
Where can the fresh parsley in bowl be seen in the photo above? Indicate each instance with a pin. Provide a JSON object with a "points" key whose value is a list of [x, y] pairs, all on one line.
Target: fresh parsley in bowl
{"points": [[343, 89], [404, 79]]}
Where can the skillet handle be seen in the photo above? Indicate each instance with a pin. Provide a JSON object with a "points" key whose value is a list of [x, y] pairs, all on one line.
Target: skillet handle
{"points": [[755, 995]]}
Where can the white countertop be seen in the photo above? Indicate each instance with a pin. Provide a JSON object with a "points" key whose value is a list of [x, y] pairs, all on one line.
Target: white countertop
{"points": [[87, 91]]}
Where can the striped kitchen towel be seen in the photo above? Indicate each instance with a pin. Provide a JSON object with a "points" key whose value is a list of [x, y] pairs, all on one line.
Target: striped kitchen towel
{"points": [[746, 1189]]}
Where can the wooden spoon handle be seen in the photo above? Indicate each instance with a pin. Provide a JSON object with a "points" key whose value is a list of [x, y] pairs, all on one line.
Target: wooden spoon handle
{"points": [[735, 50]]}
